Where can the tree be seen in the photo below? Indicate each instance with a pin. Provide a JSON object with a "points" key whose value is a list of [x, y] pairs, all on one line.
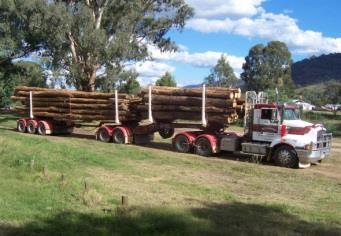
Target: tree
{"points": [[268, 67], [6, 82], [83, 37], [333, 93], [313, 94], [16, 29], [166, 80], [128, 82], [222, 74], [20, 73]]}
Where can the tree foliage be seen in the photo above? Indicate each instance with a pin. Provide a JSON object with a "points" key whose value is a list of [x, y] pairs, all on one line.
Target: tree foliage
{"points": [[18, 29], [322, 93], [222, 74], [80, 38], [20, 73], [128, 82], [166, 80], [268, 67], [333, 92]]}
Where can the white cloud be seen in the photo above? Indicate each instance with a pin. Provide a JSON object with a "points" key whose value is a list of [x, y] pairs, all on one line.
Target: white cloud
{"points": [[259, 23], [218, 8], [206, 59], [150, 71]]}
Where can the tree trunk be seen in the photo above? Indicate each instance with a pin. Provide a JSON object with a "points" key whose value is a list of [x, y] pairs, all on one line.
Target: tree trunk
{"points": [[88, 84], [92, 80]]}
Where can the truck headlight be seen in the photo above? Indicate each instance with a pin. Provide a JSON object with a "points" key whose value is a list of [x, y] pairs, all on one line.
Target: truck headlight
{"points": [[309, 146]]}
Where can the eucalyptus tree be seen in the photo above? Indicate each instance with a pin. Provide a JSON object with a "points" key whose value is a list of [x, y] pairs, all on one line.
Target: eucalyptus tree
{"points": [[83, 37], [268, 67], [222, 74], [166, 80]]}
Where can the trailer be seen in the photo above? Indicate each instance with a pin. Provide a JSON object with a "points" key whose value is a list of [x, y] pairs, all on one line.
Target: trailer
{"points": [[272, 132]]}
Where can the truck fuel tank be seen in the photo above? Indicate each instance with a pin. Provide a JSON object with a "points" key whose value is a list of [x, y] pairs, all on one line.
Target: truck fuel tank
{"points": [[230, 142]]}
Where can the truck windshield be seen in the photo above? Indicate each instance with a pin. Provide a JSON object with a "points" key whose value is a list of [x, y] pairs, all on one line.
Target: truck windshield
{"points": [[290, 114]]}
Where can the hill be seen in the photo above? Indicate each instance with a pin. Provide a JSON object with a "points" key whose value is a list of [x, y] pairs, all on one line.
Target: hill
{"points": [[317, 69]]}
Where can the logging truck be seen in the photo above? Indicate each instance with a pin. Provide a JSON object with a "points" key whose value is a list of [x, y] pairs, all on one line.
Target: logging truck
{"points": [[272, 131]]}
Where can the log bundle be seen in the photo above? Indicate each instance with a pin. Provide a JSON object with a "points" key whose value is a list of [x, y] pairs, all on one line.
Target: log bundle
{"points": [[222, 106], [62, 104]]}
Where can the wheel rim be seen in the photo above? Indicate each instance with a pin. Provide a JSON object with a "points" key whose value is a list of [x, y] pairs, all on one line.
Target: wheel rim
{"points": [[30, 128], [104, 136], [21, 127], [182, 144], [203, 147], [41, 129], [284, 156], [118, 137]]}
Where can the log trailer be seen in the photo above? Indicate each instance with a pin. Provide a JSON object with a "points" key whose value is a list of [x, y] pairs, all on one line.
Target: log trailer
{"points": [[272, 132]]}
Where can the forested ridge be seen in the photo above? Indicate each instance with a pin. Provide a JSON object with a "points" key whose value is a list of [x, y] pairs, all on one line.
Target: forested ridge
{"points": [[315, 70]]}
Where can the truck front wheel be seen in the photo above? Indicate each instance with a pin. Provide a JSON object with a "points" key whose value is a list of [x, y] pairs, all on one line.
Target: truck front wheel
{"points": [[203, 147], [285, 156]]}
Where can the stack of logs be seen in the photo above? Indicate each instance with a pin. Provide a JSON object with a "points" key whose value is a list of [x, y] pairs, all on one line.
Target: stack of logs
{"points": [[223, 105], [62, 104]]}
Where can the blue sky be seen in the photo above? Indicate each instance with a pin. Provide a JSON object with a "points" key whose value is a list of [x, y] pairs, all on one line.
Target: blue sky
{"points": [[232, 27]]}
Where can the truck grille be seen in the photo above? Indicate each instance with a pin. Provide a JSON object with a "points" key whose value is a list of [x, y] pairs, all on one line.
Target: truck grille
{"points": [[323, 140]]}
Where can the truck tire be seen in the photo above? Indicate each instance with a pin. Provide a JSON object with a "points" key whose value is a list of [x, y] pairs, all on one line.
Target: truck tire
{"points": [[118, 136], [31, 129], [285, 156], [103, 135], [21, 126], [182, 144], [166, 133], [41, 128], [203, 147]]}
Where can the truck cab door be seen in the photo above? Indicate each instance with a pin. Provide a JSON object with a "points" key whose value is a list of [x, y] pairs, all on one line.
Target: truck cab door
{"points": [[265, 124]]}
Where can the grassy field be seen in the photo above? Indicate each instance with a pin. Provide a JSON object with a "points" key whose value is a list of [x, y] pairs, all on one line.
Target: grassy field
{"points": [[69, 186]]}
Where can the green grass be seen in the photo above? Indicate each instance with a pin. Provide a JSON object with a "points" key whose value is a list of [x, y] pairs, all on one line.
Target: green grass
{"points": [[169, 193]]}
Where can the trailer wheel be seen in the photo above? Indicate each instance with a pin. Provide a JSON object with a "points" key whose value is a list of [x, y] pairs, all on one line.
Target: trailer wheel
{"points": [[166, 133], [103, 135], [45, 128], [118, 136], [182, 144], [203, 147], [21, 126], [285, 156], [41, 128], [31, 128]]}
